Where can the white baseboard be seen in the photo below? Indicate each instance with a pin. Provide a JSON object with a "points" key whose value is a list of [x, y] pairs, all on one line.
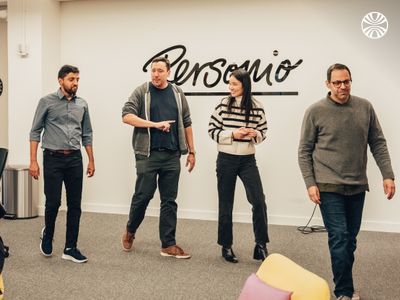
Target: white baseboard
{"points": [[367, 225]]}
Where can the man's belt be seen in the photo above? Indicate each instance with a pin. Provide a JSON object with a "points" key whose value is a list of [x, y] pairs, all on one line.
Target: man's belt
{"points": [[64, 152]]}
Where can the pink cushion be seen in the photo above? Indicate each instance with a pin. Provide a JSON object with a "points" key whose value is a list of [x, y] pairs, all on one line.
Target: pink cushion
{"points": [[255, 289]]}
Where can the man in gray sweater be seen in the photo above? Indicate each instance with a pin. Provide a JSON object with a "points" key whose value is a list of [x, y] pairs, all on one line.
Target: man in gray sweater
{"points": [[332, 156]]}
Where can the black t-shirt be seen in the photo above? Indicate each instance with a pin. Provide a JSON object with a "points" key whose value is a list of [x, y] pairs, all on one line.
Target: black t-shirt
{"points": [[162, 108]]}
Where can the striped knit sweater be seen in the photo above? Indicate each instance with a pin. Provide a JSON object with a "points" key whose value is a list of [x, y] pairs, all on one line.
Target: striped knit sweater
{"points": [[222, 124]]}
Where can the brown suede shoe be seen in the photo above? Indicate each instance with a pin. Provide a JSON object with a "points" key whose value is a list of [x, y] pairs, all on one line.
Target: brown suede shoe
{"points": [[356, 297], [127, 240], [174, 251]]}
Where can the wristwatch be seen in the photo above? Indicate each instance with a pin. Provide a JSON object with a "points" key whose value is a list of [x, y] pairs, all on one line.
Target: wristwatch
{"points": [[192, 152]]}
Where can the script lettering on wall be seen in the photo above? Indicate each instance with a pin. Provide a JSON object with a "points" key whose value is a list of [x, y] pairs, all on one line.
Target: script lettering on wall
{"points": [[211, 73]]}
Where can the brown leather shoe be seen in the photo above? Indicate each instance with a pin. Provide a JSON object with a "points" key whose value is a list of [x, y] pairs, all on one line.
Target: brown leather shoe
{"points": [[174, 251], [127, 240]]}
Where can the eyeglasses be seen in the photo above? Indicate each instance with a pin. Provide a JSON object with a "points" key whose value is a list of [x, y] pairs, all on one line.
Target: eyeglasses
{"points": [[338, 83]]}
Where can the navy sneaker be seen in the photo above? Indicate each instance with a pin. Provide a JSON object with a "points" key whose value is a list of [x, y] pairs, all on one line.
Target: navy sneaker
{"points": [[74, 255], [46, 243]]}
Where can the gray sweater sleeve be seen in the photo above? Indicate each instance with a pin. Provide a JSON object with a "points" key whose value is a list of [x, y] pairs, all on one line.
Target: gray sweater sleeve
{"points": [[378, 147], [135, 101], [308, 138], [187, 121]]}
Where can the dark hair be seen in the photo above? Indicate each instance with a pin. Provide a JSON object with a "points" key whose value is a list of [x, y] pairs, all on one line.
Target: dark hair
{"points": [[247, 103], [336, 67], [162, 59], [66, 69]]}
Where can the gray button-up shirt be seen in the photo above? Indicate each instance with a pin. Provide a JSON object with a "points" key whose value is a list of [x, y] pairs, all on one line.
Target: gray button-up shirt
{"points": [[65, 123]]}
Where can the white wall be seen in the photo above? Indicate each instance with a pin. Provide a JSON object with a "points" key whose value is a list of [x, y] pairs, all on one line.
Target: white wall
{"points": [[33, 24], [3, 76], [111, 40], [51, 43], [25, 84]]}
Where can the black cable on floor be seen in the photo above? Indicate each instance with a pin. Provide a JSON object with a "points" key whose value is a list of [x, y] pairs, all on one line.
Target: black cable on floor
{"points": [[313, 228]]}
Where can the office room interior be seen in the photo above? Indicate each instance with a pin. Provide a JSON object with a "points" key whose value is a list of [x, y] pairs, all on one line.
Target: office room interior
{"points": [[287, 45]]}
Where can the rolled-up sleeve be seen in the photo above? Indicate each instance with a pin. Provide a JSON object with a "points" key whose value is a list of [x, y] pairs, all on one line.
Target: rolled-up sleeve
{"points": [[87, 132], [38, 121]]}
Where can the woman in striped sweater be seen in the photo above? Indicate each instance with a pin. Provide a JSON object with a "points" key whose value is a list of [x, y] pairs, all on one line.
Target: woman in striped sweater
{"points": [[237, 124]]}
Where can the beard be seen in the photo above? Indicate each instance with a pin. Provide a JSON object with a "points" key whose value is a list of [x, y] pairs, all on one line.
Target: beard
{"points": [[71, 90]]}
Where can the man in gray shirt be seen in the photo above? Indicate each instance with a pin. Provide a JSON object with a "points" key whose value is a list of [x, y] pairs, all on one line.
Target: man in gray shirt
{"points": [[332, 155], [64, 119]]}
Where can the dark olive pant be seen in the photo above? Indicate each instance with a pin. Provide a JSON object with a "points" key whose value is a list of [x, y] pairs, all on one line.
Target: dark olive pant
{"points": [[162, 168], [229, 167]]}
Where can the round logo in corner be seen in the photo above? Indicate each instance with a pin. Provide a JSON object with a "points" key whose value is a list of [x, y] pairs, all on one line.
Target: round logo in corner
{"points": [[374, 25]]}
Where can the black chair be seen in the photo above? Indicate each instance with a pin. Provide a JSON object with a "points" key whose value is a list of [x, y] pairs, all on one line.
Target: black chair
{"points": [[3, 249], [3, 159]]}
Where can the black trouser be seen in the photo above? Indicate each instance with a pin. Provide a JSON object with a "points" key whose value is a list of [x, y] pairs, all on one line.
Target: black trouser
{"points": [[166, 166], [228, 168], [59, 168]]}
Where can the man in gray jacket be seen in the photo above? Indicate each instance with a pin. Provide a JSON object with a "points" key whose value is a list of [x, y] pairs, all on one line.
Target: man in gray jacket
{"points": [[335, 135], [160, 114]]}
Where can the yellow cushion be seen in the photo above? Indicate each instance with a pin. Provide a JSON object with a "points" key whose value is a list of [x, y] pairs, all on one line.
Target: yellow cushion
{"points": [[1, 288], [281, 272]]}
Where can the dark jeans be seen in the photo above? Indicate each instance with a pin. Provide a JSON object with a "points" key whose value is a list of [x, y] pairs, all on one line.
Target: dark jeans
{"points": [[59, 168], [342, 219], [164, 166], [228, 168]]}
